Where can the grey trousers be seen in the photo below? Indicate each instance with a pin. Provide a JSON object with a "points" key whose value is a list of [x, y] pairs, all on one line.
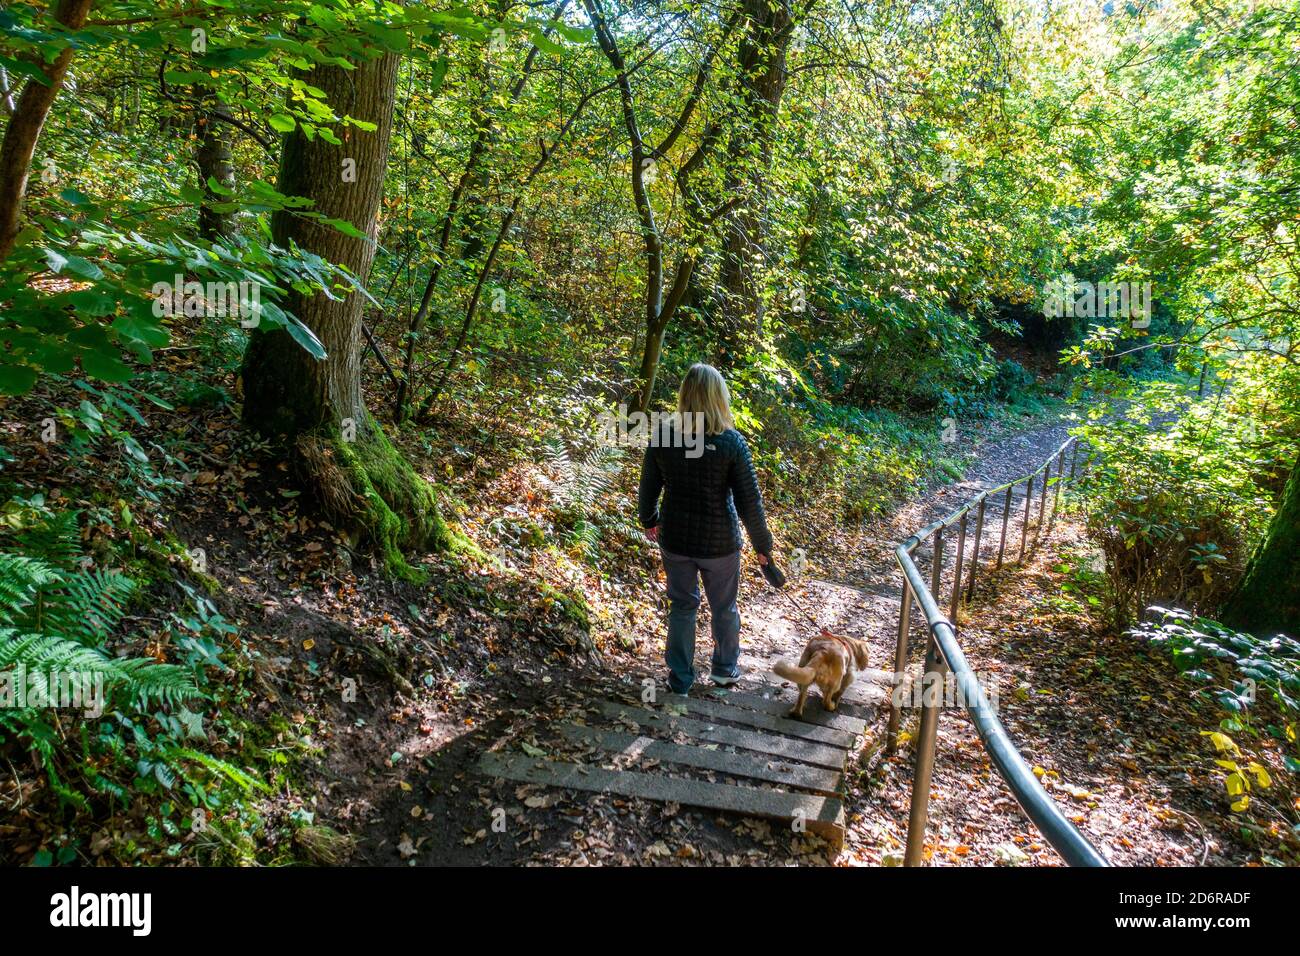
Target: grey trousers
{"points": [[721, 577]]}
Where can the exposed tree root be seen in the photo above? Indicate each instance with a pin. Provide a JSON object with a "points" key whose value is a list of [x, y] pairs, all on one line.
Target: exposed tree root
{"points": [[368, 487]]}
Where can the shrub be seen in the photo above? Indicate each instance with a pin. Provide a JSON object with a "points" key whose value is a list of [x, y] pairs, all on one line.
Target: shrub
{"points": [[1176, 508], [1011, 380], [122, 728], [1253, 682]]}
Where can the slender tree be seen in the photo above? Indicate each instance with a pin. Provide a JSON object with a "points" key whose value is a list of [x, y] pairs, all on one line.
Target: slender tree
{"points": [[660, 308], [25, 126], [214, 161]]}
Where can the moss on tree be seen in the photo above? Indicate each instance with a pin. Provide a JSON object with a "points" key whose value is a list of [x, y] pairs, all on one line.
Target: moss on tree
{"points": [[369, 486], [572, 606], [1268, 598]]}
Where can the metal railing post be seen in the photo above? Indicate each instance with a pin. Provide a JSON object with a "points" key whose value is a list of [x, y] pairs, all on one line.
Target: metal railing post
{"points": [[931, 700], [955, 602], [1024, 525], [975, 555], [1006, 516], [936, 567], [1042, 503], [900, 666], [1060, 479]]}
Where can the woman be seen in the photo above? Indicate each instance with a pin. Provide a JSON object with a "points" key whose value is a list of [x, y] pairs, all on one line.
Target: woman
{"points": [[706, 480]]}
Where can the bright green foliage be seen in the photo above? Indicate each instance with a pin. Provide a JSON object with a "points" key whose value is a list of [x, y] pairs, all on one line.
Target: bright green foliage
{"points": [[104, 728], [1258, 669], [1254, 683], [1178, 506], [893, 210]]}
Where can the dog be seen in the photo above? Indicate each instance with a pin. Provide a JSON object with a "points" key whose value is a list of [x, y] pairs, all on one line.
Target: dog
{"points": [[831, 661]]}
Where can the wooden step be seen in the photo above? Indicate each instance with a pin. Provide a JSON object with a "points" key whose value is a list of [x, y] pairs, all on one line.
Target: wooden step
{"points": [[804, 751], [817, 814], [861, 700], [722, 710], [709, 757], [777, 702]]}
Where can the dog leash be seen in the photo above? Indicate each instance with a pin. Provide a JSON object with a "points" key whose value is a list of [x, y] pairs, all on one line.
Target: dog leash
{"points": [[802, 610], [821, 631], [777, 580]]}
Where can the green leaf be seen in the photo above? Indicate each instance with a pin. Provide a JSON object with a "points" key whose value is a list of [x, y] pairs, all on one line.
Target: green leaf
{"points": [[22, 68], [345, 227], [149, 333], [219, 188], [16, 379], [83, 268], [232, 56], [74, 265], [107, 368], [55, 260], [306, 338], [75, 196]]}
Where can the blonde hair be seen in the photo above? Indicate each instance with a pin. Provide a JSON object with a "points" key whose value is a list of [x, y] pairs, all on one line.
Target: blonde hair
{"points": [[704, 393]]}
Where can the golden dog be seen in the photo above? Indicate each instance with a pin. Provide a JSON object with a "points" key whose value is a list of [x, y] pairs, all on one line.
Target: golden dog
{"points": [[831, 661]]}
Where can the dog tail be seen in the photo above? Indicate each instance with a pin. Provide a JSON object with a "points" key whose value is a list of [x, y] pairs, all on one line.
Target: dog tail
{"points": [[791, 672]]}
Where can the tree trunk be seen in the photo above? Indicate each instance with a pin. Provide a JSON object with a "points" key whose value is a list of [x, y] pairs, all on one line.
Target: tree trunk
{"points": [[25, 126], [1268, 597], [769, 25], [650, 355], [338, 451], [214, 161]]}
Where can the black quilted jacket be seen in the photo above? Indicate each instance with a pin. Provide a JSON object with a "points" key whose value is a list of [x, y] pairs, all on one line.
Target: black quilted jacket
{"points": [[702, 496]]}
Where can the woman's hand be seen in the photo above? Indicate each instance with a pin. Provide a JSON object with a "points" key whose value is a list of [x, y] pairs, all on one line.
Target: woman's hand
{"points": [[763, 559], [652, 534]]}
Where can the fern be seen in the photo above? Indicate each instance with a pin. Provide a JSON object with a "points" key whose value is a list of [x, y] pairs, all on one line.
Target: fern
{"points": [[146, 680], [56, 538], [241, 778], [141, 679], [55, 622], [21, 578], [58, 620], [579, 483], [49, 652], [87, 606]]}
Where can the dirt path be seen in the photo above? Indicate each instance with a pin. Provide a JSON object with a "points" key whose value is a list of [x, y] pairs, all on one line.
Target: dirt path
{"points": [[851, 582], [399, 767], [435, 807]]}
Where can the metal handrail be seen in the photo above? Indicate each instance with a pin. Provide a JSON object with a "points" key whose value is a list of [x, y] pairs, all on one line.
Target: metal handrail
{"points": [[944, 653]]}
